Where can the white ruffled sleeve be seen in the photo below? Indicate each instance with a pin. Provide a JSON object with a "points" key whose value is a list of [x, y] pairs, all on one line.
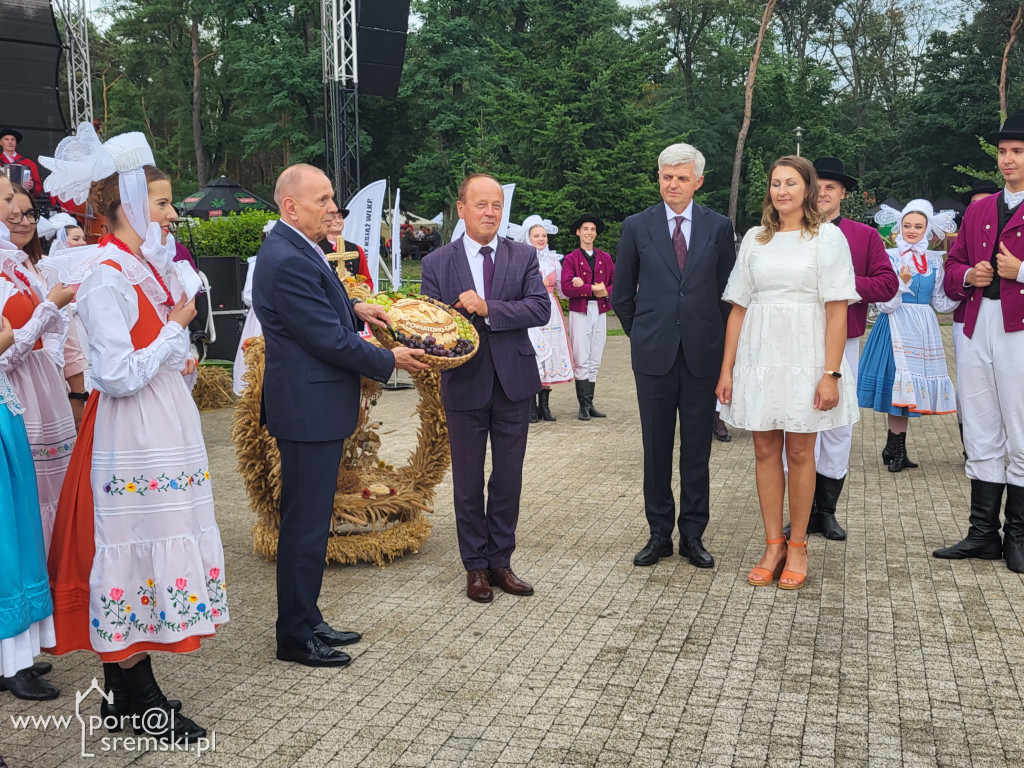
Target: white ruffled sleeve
{"points": [[108, 306], [739, 289], [836, 281], [890, 306], [47, 323], [940, 300], [54, 341]]}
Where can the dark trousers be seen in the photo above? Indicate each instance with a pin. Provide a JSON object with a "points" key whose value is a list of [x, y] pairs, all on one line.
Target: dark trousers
{"points": [[660, 399], [309, 476], [487, 533]]}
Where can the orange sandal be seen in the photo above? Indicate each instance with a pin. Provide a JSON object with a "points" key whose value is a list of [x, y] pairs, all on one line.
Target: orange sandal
{"points": [[766, 576], [799, 578]]}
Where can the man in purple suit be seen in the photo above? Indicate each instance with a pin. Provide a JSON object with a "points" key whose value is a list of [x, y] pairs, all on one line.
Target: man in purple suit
{"points": [[876, 281], [496, 283], [984, 271]]}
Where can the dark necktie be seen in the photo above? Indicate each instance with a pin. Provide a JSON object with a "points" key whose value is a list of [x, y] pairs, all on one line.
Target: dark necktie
{"points": [[679, 244], [486, 252]]}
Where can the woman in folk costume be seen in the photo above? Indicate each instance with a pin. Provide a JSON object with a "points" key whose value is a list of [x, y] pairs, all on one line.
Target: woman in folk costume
{"points": [[26, 610], [64, 231], [35, 362], [252, 325], [902, 369], [135, 520], [550, 341]]}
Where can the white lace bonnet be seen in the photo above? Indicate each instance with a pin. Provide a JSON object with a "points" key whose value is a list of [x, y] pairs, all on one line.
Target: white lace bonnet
{"points": [[521, 232], [81, 160], [940, 224], [56, 226]]}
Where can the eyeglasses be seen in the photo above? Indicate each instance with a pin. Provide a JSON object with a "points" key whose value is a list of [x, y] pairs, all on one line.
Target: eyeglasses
{"points": [[32, 215]]}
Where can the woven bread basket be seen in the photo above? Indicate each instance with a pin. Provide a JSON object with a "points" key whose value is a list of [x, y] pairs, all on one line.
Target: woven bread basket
{"points": [[384, 338]]}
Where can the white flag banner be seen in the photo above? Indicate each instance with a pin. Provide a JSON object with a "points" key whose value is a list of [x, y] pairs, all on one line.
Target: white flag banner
{"points": [[396, 245], [362, 225], [509, 190]]}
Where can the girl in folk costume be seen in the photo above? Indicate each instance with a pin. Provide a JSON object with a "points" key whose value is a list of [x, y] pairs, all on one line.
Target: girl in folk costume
{"points": [[64, 231], [35, 362], [549, 341], [26, 611], [135, 520], [252, 325], [902, 370]]}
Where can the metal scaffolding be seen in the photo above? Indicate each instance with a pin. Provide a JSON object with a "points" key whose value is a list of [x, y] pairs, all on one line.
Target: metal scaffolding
{"points": [[74, 16], [341, 95]]}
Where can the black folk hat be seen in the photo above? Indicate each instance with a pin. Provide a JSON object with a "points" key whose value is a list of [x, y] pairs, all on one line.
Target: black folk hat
{"points": [[983, 187], [1012, 130], [584, 219], [10, 132], [343, 212], [832, 168]]}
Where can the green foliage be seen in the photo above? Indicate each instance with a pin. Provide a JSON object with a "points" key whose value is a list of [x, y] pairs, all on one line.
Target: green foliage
{"points": [[237, 234]]}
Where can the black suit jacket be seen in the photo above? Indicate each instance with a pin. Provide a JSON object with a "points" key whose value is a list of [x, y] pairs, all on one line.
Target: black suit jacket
{"points": [[661, 309]]}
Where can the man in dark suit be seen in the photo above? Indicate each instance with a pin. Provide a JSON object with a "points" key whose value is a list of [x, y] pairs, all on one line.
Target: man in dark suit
{"points": [[672, 265], [497, 284], [314, 361]]}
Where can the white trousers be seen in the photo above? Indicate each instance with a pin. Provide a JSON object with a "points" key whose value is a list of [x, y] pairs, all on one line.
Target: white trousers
{"points": [[587, 333], [958, 339], [990, 372], [832, 447]]}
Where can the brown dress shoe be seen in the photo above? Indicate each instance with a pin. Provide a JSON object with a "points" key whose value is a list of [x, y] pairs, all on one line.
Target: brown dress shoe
{"points": [[477, 586], [509, 582]]}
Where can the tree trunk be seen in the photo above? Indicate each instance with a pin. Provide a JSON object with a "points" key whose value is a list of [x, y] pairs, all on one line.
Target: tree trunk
{"points": [[748, 103], [202, 171], [1014, 29]]}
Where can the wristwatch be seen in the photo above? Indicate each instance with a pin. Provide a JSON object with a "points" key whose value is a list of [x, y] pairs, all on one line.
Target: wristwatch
{"points": [[83, 396], [834, 374]]}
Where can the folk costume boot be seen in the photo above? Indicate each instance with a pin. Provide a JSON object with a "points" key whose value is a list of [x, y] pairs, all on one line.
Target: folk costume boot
{"points": [[899, 461], [892, 444], [534, 410], [1013, 529], [826, 497], [146, 697], [545, 405], [982, 539], [119, 709], [590, 401], [581, 396]]}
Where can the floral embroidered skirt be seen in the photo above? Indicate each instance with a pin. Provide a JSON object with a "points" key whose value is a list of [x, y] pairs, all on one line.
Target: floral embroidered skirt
{"points": [[157, 574], [50, 425]]}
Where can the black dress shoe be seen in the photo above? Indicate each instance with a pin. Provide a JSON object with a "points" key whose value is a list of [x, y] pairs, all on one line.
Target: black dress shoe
{"points": [[26, 684], [657, 548], [313, 653], [693, 548], [41, 668], [327, 635]]}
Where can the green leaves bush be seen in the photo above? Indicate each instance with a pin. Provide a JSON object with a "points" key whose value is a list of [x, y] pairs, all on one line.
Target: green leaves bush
{"points": [[237, 234]]}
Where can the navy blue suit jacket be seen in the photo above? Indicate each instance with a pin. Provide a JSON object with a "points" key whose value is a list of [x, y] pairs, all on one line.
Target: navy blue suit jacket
{"points": [[315, 356], [520, 302], [661, 309]]}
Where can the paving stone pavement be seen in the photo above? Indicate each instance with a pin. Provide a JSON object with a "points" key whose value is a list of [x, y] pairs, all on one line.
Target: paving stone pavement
{"points": [[887, 657]]}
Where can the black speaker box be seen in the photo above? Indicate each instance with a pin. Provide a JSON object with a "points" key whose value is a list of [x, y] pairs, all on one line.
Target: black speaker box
{"points": [[227, 278], [384, 14], [229, 333]]}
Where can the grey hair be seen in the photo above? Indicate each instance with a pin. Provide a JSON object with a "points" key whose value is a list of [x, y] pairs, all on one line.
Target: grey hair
{"points": [[680, 154]]}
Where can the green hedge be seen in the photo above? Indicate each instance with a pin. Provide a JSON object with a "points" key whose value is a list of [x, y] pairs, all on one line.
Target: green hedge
{"points": [[237, 234]]}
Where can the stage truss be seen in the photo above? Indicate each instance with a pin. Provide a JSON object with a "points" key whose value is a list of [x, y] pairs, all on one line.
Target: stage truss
{"points": [[74, 16], [341, 95]]}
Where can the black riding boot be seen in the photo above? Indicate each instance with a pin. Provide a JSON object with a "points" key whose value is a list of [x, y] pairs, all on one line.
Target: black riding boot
{"points": [[826, 498], [982, 539], [1013, 529], [581, 395], [146, 697], [545, 405], [899, 461], [590, 401], [534, 410], [119, 708], [892, 446]]}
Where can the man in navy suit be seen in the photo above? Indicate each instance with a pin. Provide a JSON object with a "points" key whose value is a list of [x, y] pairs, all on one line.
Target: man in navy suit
{"points": [[496, 283], [673, 262], [314, 361]]}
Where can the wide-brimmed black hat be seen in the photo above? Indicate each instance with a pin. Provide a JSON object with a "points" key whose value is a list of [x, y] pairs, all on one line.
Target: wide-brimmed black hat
{"points": [[984, 187], [1012, 130], [584, 219], [10, 132], [832, 168], [343, 212]]}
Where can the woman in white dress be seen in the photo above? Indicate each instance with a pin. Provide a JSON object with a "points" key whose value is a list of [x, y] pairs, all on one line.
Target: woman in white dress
{"points": [[784, 376], [252, 325], [550, 341], [135, 519]]}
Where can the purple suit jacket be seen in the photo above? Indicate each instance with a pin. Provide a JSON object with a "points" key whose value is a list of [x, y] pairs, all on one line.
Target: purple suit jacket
{"points": [[873, 272], [575, 265], [974, 244], [520, 301]]}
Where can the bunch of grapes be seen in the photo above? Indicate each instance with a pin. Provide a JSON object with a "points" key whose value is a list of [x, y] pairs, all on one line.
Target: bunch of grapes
{"points": [[465, 328], [432, 346]]}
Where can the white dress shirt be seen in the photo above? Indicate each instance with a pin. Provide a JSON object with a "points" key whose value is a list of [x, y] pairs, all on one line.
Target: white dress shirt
{"points": [[687, 215], [476, 264]]}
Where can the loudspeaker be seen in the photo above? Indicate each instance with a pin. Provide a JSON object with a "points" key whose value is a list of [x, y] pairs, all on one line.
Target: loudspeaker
{"points": [[229, 333], [381, 31], [227, 278]]}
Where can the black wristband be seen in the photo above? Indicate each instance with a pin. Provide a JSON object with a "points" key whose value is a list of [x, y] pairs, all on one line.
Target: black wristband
{"points": [[83, 396]]}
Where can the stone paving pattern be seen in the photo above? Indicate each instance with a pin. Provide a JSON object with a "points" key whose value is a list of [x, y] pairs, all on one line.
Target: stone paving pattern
{"points": [[887, 657]]}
